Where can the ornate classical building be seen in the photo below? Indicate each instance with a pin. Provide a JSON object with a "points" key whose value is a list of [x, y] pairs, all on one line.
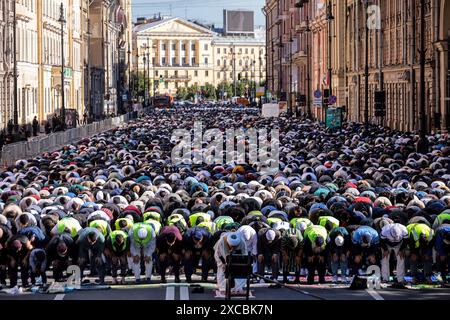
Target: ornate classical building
{"points": [[97, 33], [6, 62], [183, 53], [109, 43], [249, 58], [176, 50], [393, 57]]}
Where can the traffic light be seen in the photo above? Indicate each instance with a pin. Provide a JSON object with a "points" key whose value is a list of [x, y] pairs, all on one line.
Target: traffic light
{"points": [[326, 97], [380, 101], [301, 98]]}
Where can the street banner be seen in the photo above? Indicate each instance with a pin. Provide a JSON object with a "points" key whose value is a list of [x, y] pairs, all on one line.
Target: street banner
{"points": [[334, 118], [270, 110], [260, 92]]}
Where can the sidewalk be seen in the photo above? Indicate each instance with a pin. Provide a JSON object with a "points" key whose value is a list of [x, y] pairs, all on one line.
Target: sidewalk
{"points": [[54, 141]]}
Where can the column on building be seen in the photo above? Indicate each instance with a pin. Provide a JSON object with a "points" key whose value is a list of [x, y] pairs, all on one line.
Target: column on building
{"points": [[167, 42], [190, 53], [170, 52], [160, 44], [180, 58]]}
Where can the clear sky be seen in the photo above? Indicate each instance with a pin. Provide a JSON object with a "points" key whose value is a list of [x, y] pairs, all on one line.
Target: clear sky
{"points": [[205, 11]]}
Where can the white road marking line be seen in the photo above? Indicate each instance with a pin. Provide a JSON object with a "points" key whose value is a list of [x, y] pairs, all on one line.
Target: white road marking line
{"points": [[59, 297], [374, 294], [184, 293], [170, 293]]}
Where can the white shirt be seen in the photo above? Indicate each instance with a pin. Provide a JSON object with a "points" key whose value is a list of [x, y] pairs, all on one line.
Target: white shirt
{"points": [[252, 243], [388, 232]]}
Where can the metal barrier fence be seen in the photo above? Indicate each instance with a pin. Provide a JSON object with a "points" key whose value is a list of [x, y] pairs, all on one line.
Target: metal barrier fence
{"points": [[55, 141]]}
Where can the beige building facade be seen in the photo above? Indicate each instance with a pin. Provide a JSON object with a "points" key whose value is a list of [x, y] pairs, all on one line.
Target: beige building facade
{"points": [[176, 50], [239, 58], [6, 62], [97, 35], [393, 56], [183, 54]]}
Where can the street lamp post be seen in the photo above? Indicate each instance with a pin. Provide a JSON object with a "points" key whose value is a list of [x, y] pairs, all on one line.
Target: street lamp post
{"points": [[154, 47], [145, 73], [291, 41], [148, 71], [145, 81], [90, 111], [130, 98], [422, 144], [234, 68], [308, 67], [137, 75], [16, 107], [62, 20], [330, 19], [366, 71]]}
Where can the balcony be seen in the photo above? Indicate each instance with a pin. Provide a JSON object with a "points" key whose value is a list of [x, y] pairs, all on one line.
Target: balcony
{"points": [[302, 27], [300, 58], [179, 78]]}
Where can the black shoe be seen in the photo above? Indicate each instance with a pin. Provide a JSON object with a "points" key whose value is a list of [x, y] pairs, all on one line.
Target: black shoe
{"points": [[297, 280], [177, 280], [188, 280], [99, 282], [163, 280]]}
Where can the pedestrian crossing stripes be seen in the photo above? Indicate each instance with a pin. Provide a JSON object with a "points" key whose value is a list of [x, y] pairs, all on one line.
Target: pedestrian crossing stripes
{"points": [[171, 293]]}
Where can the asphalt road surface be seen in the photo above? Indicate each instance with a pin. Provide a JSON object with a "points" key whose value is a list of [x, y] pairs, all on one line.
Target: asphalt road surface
{"points": [[185, 292]]}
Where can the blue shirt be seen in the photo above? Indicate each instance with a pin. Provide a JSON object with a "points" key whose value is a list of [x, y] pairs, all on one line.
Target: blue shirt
{"points": [[442, 248], [358, 234]]}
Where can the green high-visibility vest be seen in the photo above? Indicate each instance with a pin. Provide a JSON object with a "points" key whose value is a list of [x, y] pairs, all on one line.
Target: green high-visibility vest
{"points": [[193, 218], [295, 223], [210, 226], [415, 230], [68, 223], [175, 217], [128, 221], [223, 220], [154, 224], [442, 217], [323, 221], [152, 215], [137, 240], [312, 232], [102, 225], [271, 221], [114, 235]]}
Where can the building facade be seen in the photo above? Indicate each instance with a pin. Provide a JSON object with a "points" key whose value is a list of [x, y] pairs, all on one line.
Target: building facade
{"points": [[107, 55], [239, 59], [97, 36], [6, 62], [175, 50], [331, 40], [183, 53]]}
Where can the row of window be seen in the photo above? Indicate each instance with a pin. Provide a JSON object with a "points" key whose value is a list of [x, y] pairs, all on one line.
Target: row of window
{"points": [[247, 63], [240, 51]]}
